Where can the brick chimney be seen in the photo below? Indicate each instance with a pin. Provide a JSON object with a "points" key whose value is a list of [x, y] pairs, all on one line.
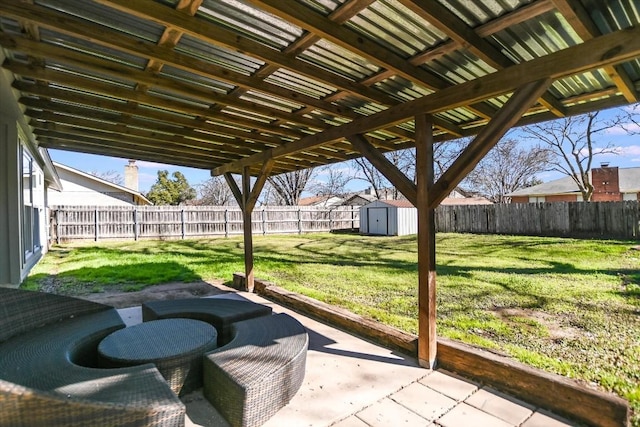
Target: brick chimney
{"points": [[606, 184], [131, 175]]}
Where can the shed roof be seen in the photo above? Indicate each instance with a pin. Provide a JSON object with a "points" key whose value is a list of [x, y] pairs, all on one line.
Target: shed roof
{"points": [[227, 84]]}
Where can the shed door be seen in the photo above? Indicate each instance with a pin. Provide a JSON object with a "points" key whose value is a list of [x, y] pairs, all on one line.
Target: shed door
{"points": [[377, 221]]}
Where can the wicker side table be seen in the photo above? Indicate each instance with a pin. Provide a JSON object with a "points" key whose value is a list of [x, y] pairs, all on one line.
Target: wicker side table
{"points": [[175, 346]]}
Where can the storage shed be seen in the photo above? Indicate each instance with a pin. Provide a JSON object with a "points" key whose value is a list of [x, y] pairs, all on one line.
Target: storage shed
{"points": [[389, 218]]}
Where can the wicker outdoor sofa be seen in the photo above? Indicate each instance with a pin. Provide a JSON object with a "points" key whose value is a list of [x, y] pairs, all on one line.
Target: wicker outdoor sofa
{"points": [[47, 353], [48, 359]]}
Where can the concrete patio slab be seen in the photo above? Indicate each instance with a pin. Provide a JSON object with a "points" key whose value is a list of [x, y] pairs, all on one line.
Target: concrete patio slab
{"points": [[350, 382]]}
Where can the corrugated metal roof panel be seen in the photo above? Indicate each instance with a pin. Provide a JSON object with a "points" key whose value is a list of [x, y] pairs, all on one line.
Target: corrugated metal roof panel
{"points": [[397, 28], [217, 55], [358, 105], [87, 47], [271, 101], [614, 14], [299, 83], [459, 67], [402, 89], [474, 12], [323, 6], [338, 60], [209, 84], [108, 17], [250, 22]]}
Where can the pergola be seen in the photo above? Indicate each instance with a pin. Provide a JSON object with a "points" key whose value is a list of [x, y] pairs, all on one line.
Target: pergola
{"points": [[260, 87]]}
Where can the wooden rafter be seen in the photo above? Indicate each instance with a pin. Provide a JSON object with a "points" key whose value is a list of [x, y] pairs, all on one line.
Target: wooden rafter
{"points": [[450, 24], [112, 80], [592, 54], [581, 21]]}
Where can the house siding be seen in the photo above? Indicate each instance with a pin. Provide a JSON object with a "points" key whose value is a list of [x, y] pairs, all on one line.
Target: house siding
{"points": [[561, 198]]}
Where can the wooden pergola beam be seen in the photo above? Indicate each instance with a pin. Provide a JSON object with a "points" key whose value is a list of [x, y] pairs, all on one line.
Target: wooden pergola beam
{"points": [[602, 51], [504, 120], [385, 167]]}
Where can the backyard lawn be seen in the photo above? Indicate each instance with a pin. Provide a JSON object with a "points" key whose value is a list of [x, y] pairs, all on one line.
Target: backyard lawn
{"points": [[564, 305]]}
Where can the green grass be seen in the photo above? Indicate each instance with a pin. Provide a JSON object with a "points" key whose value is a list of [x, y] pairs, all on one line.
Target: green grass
{"points": [[564, 305]]}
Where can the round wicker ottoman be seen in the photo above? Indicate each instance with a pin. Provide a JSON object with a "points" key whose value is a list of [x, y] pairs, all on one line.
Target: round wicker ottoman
{"points": [[175, 346]]}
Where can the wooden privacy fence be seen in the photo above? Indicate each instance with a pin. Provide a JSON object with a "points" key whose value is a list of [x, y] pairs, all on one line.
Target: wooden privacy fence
{"points": [[171, 222], [620, 220]]}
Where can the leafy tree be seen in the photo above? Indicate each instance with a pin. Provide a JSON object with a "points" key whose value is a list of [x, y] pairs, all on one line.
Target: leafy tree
{"points": [[507, 168], [167, 191], [575, 141]]}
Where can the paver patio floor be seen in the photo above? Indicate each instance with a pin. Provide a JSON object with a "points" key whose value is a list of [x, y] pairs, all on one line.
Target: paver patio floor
{"points": [[351, 382]]}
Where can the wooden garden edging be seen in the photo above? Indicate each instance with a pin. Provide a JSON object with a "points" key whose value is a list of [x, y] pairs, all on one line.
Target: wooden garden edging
{"points": [[556, 393]]}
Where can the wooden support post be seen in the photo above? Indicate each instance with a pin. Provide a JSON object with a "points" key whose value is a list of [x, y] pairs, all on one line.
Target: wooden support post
{"points": [[427, 342], [247, 199], [248, 230]]}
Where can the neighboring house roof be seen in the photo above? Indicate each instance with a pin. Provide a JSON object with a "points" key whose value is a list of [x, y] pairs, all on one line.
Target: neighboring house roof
{"points": [[320, 201], [357, 197], [466, 201], [629, 180], [113, 188]]}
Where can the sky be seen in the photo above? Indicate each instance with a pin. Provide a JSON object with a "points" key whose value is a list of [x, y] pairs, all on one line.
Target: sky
{"points": [[628, 148]]}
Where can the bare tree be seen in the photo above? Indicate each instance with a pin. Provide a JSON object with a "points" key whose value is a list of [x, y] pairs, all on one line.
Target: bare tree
{"points": [[111, 175], [404, 160], [288, 187], [445, 152], [365, 171], [335, 182], [215, 192], [574, 141], [507, 168]]}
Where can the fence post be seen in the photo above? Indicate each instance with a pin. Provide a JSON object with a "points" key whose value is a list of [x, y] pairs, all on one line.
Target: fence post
{"points": [[182, 222], [353, 218], [135, 223], [95, 223], [330, 221], [299, 221], [264, 222], [57, 226], [226, 222]]}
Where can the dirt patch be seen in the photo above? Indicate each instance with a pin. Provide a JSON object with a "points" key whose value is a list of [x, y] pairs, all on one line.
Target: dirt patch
{"points": [[557, 331], [167, 291]]}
